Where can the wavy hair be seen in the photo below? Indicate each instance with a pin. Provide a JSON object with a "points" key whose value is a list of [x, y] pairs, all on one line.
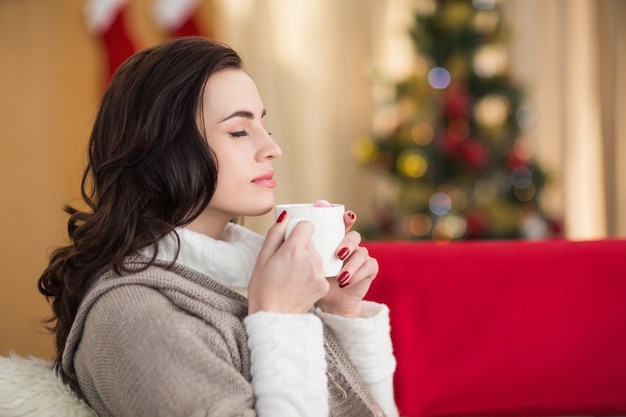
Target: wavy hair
{"points": [[149, 169]]}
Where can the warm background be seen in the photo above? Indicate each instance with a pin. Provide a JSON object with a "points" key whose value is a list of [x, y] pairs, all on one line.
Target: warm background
{"points": [[311, 59]]}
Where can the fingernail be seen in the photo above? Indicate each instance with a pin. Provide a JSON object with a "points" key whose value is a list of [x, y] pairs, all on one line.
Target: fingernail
{"points": [[343, 278], [351, 215], [343, 253], [345, 284], [281, 217]]}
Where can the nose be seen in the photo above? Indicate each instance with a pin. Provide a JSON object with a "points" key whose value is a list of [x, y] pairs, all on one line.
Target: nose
{"points": [[270, 149]]}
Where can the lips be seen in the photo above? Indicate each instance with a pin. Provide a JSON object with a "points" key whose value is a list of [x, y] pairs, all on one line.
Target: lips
{"points": [[265, 180]]}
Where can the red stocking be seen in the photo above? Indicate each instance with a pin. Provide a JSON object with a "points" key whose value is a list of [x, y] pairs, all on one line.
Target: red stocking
{"points": [[179, 17], [105, 19]]}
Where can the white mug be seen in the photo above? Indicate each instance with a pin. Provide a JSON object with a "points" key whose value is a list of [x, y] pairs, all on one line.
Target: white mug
{"points": [[329, 231]]}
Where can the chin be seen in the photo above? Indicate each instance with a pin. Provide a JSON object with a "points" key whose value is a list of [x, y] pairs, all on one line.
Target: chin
{"points": [[261, 209]]}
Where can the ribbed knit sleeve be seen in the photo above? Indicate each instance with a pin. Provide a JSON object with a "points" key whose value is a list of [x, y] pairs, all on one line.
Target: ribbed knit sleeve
{"points": [[367, 344], [287, 364]]}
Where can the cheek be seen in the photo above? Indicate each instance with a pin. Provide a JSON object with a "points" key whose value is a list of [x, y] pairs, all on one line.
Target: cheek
{"points": [[229, 176]]}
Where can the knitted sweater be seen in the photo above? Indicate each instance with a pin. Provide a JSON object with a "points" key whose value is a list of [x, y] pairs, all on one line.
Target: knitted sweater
{"points": [[174, 341]]}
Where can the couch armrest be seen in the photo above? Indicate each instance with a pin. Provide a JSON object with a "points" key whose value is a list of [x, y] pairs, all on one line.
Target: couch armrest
{"points": [[513, 328]]}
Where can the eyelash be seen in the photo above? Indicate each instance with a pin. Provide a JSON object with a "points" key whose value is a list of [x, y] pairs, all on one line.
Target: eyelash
{"points": [[242, 133]]}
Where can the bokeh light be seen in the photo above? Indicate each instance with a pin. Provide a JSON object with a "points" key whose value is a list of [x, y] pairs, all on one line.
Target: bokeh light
{"points": [[440, 204], [420, 224], [422, 133], [412, 163], [490, 60], [439, 78], [457, 225], [492, 110]]}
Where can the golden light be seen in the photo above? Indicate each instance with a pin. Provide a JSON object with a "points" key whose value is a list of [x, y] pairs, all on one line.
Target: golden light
{"points": [[412, 164], [492, 110], [422, 133], [490, 60]]}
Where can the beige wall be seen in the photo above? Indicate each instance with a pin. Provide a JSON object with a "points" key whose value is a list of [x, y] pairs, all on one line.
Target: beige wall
{"points": [[50, 83], [36, 161]]}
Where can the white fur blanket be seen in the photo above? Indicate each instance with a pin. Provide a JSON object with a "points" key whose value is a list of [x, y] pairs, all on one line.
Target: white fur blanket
{"points": [[30, 387]]}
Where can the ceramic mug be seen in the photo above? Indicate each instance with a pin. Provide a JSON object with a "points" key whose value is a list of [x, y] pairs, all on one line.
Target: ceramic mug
{"points": [[330, 229]]}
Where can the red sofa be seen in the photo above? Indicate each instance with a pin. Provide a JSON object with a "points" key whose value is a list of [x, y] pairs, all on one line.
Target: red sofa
{"points": [[506, 328]]}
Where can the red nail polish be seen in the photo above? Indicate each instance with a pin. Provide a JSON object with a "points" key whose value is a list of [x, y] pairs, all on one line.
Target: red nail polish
{"points": [[281, 217], [345, 284], [343, 278], [351, 215], [343, 253]]}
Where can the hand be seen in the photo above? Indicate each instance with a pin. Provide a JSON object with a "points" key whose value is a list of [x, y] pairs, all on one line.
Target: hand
{"points": [[288, 276], [348, 289]]}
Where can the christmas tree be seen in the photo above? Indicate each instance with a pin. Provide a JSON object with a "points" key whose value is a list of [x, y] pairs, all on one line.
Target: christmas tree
{"points": [[454, 157]]}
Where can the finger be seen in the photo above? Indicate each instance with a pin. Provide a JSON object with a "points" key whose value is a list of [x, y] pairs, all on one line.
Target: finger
{"points": [[302, 232], [274, 238], [349, 219], [367, 272], [357, 258], [361, 267], [348, 244]]}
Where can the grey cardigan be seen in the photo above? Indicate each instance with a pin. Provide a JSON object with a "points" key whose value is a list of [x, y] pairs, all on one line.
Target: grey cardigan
{"points": [[171, 342]]}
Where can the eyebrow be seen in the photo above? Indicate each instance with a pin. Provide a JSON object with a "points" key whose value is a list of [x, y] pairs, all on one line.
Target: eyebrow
{"points": [[243, 113]]}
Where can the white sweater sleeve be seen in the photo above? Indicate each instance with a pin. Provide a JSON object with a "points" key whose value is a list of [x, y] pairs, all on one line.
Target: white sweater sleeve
{"points": [[367, 342], [287, 363]]}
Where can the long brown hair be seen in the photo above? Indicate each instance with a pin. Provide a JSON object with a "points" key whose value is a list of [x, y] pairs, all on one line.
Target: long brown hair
{"points": [[149, 169]]}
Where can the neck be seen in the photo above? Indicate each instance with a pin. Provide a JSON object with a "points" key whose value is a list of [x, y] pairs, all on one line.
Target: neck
{"points": [[213, 226]]}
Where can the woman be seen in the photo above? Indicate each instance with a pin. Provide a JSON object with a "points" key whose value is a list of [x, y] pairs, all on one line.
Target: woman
{"points": [[163, 305]]}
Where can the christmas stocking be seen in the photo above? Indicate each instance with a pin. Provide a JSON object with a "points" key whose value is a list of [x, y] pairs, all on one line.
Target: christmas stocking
{"points": [[179, 17], [105, 19]]}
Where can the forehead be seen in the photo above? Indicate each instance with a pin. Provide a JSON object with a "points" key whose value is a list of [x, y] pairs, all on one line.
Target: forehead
{"points": [[230, 90]]}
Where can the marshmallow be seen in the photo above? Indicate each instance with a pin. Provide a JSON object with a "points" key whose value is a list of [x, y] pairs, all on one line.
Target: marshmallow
{"points": [[322, 203]]}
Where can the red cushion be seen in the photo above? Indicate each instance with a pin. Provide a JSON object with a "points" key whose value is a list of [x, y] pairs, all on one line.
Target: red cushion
{"points": [[506, 328]]}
